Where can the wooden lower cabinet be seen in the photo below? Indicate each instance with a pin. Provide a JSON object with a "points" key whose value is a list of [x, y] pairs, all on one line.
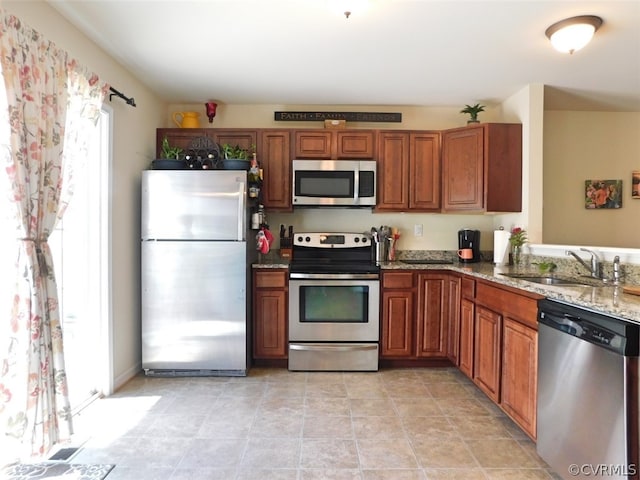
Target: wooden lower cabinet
{"points": [[270, 305], [431, 320], [467, 321], [453, 316], [519, 374], [397, 318], [486, 351], [414, 329]]}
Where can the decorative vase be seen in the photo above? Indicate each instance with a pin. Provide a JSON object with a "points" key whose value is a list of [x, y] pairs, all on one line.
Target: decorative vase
{"points": [[517, 255]]}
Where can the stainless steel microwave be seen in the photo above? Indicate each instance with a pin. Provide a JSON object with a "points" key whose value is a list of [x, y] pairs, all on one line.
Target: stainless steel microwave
{"points": [[334, 183]]}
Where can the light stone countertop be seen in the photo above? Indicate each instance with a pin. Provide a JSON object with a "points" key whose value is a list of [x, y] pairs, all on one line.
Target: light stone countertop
{"points": [[605, 299]]}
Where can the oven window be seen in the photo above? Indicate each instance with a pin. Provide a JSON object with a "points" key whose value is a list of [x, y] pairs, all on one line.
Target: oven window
{"points": [[333, 184], [334, 304]]}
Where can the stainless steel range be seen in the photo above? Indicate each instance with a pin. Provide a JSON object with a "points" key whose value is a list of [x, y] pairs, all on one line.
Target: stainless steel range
{"points": [[334, 296]]}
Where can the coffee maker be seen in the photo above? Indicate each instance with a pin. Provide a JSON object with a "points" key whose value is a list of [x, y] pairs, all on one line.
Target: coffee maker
{"points": [[468, 239]]}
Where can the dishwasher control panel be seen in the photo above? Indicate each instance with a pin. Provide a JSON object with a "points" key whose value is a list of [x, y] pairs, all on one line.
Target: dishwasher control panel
{"points": [[608, 332]]}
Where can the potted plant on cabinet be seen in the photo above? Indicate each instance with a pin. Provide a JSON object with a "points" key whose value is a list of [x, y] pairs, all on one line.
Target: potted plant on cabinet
{"points": [[236, 157], [169, 158], [473, 111]]}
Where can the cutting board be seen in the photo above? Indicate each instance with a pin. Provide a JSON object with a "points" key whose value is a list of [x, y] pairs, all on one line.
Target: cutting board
{"points": [[632, 289]]}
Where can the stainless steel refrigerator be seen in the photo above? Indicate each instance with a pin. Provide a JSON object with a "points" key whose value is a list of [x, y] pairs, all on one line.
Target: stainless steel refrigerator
{"points": [[196, 255]]}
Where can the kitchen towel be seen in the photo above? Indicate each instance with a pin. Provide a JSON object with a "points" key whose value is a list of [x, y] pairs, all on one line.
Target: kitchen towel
{"points": [[501, 247]]}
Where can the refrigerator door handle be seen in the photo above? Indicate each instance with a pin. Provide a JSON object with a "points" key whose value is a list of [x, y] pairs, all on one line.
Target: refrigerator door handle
{"points": [[241, 215]]}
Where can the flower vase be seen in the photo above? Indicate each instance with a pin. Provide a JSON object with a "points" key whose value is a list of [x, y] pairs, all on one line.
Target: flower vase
{"points": [[517, 255]]}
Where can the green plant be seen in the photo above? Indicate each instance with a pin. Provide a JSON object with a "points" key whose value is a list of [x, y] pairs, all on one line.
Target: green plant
{"points": [[237, 152], [473, 111], [168, 151], [546, 267], [518, 237]]}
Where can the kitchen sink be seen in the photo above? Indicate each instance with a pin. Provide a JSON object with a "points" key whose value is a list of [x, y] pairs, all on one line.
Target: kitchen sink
{"points": [[544, 280]]}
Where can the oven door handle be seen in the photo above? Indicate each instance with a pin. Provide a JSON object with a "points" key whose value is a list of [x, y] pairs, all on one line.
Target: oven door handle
{"points": [[333, 347], [335, 276]]}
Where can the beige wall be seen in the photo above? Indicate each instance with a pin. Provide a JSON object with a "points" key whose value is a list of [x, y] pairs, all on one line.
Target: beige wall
{"points": [[133, 147], [581, 146]]}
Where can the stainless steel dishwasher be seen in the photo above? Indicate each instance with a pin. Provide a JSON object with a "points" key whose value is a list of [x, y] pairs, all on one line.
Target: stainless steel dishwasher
{"points": [[587, 393]]}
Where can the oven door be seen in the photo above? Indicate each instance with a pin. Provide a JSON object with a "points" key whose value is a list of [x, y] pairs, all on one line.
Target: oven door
{"points": [[334, 308]]}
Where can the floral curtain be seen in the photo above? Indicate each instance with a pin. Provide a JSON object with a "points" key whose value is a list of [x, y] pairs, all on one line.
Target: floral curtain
{"points": [[50, 101]]}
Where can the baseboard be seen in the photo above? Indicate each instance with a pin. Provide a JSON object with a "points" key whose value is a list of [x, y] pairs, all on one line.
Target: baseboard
{"points": [[127, 375]]}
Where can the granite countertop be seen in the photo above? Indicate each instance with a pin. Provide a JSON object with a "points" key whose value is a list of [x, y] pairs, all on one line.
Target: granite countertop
{"points": [[603, 299]]}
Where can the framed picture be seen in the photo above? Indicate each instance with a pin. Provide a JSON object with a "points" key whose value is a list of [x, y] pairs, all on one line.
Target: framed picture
{"points": [[603, 194], [635, 182]]}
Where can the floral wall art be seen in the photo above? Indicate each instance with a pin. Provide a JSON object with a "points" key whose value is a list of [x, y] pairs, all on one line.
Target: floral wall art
{"points": [[635, 181], [603, 194]]}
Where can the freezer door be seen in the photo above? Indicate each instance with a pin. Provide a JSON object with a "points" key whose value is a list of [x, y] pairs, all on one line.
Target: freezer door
{"points": [[194, 306], [193, 205]]}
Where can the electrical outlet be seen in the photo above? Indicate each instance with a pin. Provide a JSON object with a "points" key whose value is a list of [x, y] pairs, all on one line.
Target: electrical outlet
{"points": [[417, 230]]}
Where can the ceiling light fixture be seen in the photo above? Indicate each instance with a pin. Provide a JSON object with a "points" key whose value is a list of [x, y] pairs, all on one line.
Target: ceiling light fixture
{"points": [[571, 34], [347, 7]]}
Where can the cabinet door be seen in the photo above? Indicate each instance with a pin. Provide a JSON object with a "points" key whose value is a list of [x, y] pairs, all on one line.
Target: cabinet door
{"points": [[244, 138], [274, 156], [397, 323], [486, 353], [453, 315], [393, 171], [519, 374], [269, 327], [179, 137], [467, 331], [270, 314], [357, 145], [424, 171], [314, 144], [431, 320], [463, 169]]}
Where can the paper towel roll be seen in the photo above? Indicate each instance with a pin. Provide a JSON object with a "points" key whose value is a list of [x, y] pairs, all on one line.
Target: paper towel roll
{"points": [[501, 247]]}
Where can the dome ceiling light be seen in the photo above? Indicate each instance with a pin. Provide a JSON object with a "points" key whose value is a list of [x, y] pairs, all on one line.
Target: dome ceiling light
{"points": [[571, 34]]}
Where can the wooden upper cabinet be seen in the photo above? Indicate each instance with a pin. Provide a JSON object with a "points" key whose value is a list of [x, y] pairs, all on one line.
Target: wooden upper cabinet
{"points": [[334, 144], [356, 145], [180, 137], [424, 171], [275, 159], [393, 171], [408, 171], [243, 138], [184, 137], [482, 168]]}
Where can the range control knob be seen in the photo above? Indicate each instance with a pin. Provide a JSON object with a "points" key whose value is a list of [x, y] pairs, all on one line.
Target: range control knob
{"points": [[300, 239], [364, 239], [357, 240], [307, 239]]}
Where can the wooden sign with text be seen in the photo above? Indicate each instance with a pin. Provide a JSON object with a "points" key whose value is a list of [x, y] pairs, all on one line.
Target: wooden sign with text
{"points": [[347, 116]]}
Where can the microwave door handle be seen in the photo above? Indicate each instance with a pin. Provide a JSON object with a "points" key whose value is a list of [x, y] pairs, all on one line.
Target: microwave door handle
{"points": [[356, 185]]}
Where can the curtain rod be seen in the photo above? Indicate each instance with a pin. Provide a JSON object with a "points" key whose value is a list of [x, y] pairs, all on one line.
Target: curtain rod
{"points": [[129, 100]]}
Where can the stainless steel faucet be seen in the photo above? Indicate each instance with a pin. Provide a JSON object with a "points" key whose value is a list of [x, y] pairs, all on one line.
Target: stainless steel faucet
{"points": [[616, 270], [594, 268]]}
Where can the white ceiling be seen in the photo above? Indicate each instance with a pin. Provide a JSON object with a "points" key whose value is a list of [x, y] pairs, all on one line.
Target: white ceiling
{"points": [[398, 52]]}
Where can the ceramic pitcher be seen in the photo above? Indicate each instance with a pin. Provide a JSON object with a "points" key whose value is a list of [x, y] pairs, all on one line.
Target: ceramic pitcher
{"points": [[187, 119]]}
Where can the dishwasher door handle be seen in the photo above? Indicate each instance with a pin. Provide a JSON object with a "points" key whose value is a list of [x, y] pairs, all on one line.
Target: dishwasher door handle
{"points": [[567, 323]]}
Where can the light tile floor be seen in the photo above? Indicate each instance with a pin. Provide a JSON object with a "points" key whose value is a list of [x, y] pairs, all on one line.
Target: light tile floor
{"points": [[400, 424]]}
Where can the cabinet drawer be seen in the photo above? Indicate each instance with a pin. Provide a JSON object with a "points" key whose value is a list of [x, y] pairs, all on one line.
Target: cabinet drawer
{"points": [[397, 280], [519, 307], [275, 279], [468, 287]]}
